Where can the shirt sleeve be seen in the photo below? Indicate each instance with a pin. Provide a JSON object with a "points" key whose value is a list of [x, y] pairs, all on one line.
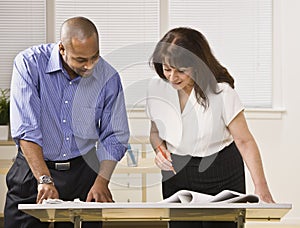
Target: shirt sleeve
{"points": [[114, 132], [232, 104], [25, 101]]}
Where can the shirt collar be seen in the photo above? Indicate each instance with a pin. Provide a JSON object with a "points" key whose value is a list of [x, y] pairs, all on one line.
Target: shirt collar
{"points": [[55, 62], [190, 104]]}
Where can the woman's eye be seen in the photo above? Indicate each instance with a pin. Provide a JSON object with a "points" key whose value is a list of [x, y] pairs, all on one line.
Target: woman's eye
{"points": [[166, 69], [182, 70]]}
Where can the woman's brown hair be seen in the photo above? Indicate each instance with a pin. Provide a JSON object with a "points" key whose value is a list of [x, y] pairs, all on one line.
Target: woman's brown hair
{"points": [[186, 47]]}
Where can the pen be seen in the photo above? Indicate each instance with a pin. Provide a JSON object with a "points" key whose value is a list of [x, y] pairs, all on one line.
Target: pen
{"points": [[165, 156], [131, 155]]}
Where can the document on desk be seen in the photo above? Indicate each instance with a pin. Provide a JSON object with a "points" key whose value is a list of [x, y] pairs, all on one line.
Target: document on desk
{"points": [[190, 197], [225, 196], [211, 208]]}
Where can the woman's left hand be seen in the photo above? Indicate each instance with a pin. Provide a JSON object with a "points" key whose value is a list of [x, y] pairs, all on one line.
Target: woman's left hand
{"points": [[264, 195]]}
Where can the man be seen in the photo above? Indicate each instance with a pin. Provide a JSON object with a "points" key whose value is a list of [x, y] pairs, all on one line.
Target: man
{"points": [[69, 122]]}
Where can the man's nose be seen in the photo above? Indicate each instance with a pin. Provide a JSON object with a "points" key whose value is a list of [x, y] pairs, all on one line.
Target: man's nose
{"points": [[89, 64]]}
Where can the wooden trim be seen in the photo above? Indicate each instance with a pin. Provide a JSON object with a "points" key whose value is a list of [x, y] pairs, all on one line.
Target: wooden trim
{"points": [[5, 165], [7, 143]]}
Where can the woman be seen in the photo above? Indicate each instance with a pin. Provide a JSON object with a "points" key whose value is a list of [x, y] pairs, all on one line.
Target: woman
{"points": [[198, 128]]}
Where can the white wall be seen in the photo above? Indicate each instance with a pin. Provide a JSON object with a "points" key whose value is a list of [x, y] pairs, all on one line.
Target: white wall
{"points": [[278, 138]]}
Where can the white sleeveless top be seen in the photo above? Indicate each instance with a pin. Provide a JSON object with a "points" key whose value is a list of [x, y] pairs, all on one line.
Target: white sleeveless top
{"points": [[195, 131]]}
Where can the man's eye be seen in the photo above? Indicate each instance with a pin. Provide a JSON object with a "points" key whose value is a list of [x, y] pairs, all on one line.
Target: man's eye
{"points": [[96, 57]]}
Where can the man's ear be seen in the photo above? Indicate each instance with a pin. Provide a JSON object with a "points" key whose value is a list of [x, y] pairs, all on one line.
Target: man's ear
{"points": [[61, 48]]}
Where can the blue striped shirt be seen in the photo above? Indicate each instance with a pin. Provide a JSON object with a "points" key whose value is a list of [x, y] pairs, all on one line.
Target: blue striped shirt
{"points": [[67, 118]]}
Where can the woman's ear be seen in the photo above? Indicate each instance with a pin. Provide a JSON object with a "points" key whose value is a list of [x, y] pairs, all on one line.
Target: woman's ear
{"points": [[61, 48]]}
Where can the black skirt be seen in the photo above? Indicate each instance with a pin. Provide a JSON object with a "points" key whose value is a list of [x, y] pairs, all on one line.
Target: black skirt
{"points": [[209, 175]]}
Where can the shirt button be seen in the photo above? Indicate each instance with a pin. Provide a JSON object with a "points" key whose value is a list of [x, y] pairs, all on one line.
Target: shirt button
{"points": [[64, 121], [66, 102], [64, 155], [70, 83], [67, 138]]}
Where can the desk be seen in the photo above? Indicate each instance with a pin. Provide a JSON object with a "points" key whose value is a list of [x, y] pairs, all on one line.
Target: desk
{"points": [[153, 212]]}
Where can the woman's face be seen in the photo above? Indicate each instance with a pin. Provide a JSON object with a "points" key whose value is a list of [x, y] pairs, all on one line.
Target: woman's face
{"points": [[179, 78]]}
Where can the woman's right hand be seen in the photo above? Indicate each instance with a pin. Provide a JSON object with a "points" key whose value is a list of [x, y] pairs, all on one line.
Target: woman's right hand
{"points": [[163, 161]]}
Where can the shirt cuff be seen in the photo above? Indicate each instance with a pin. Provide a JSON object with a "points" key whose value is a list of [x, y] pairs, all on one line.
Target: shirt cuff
{"points": [[111, 152]]}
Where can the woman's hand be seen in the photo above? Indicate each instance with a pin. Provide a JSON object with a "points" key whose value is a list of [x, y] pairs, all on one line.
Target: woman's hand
{"points": [[164, 161], [264, 194]]}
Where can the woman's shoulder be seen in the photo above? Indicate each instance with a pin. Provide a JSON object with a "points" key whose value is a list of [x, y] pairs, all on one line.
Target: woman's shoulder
{"points": [[227, 92], [224, 85]]}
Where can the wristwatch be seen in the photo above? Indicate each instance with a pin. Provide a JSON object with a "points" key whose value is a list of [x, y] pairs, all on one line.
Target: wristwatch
{"points": [[45, 180]]}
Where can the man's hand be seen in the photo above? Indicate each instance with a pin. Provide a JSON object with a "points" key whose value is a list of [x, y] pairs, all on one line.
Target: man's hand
{"points": [[46, 191], [99, 191]]}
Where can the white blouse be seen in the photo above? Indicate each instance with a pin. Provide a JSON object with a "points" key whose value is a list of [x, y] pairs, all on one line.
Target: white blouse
{"points": [[196, 131]]}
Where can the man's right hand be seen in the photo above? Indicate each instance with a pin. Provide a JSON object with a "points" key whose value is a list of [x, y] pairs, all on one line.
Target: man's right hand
{"points": [[46, 191]]}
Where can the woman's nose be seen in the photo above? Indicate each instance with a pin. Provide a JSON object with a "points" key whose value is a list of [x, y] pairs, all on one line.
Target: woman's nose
{"points": [[173, 75]]}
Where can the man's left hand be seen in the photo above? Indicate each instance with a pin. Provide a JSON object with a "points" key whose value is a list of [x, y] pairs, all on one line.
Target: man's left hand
{"points": [[100, 191]]}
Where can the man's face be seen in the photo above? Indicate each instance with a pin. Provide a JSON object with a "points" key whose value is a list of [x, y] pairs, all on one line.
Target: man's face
{"points": [[80, 57]]}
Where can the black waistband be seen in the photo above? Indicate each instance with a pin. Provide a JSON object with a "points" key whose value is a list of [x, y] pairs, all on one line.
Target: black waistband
{"points": [[228, 152], [65, 165]]}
